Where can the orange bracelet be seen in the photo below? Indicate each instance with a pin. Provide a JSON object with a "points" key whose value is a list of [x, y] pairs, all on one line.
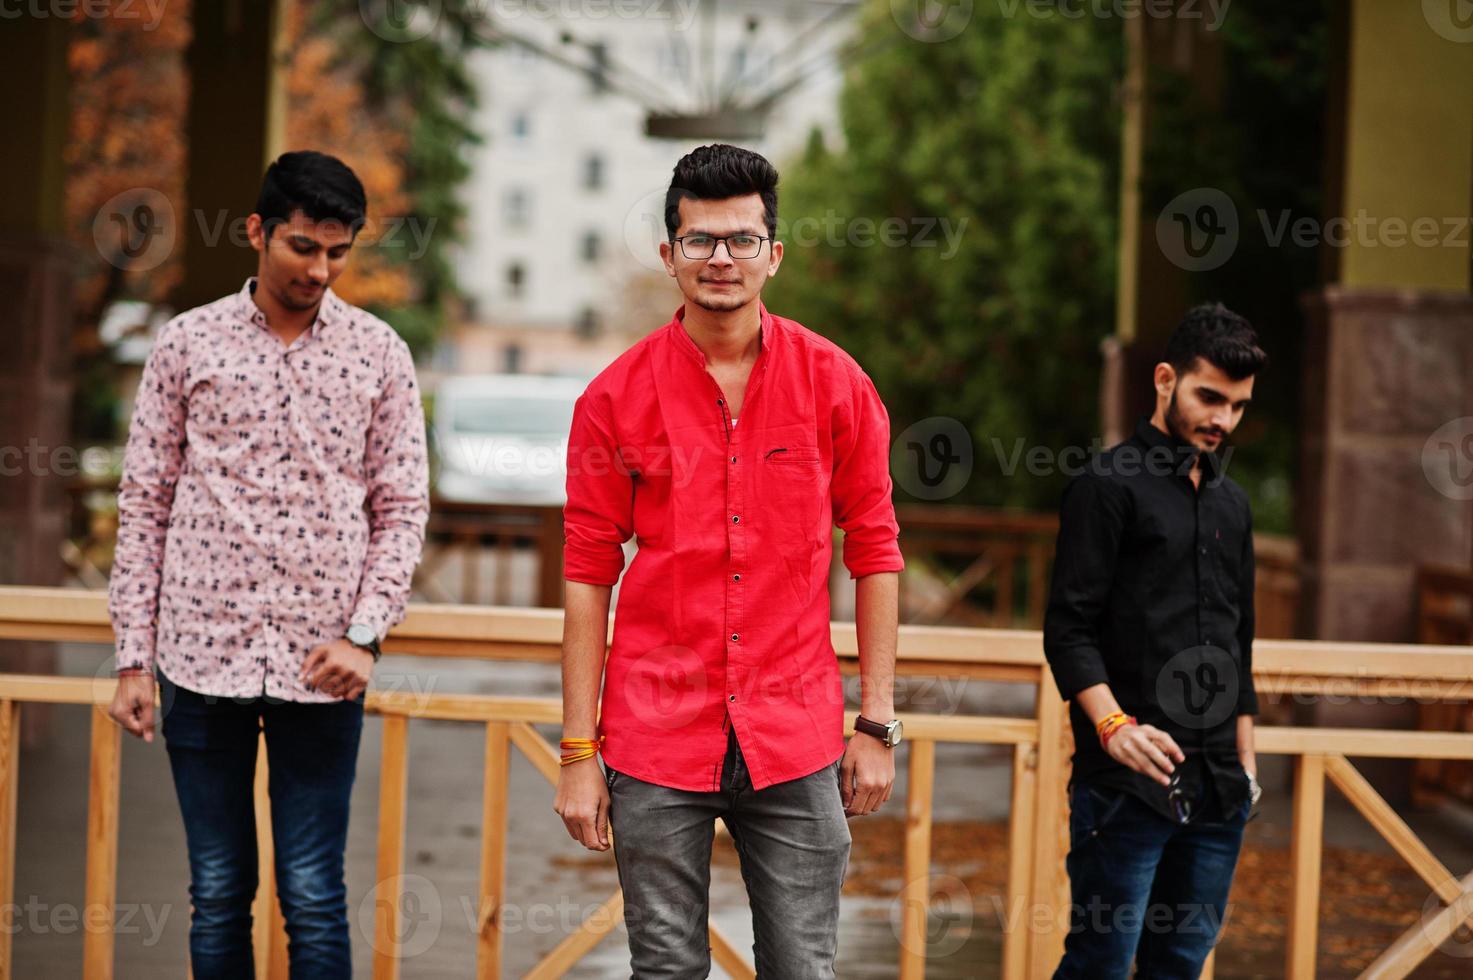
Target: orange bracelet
{"points": [[1109, 731], [578, 749]]}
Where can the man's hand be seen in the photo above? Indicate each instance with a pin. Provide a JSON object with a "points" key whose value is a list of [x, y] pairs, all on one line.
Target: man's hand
{"points": [[866, 775], [1146, 749], [132, 705], [338, 668], [583, 803]]}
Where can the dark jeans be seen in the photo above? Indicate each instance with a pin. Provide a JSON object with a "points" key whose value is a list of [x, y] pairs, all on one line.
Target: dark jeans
{"points": [[792, 840], [1144, 888], [311, 751]]}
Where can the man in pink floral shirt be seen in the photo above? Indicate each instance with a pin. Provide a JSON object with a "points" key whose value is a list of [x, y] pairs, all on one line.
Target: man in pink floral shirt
{"points": [[271, 513]]}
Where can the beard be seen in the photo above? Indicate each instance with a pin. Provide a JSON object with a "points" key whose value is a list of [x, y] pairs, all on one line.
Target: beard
{"points": [[291, 303], [720, 304], [1176, 423], [1178, 426]]}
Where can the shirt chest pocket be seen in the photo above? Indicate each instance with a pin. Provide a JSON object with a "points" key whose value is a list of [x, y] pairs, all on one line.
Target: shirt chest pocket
{"points": [[793, 488]]}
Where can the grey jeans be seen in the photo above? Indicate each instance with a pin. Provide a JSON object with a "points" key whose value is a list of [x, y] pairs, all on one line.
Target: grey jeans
{"points": [[792, 840]]}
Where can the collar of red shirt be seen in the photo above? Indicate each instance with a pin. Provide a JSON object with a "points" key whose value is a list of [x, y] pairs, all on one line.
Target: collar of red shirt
{"points": [[684, 342]]}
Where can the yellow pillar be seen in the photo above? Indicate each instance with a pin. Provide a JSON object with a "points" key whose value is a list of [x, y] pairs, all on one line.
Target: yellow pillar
{"points": [[1408, 150]]}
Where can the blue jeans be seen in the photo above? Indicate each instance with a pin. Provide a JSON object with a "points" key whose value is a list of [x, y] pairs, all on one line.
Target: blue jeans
{"points": [[1144, 888], [312, 753], [792, 841]]}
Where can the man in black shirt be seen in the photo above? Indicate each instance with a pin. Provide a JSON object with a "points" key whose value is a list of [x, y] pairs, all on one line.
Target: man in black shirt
{"points": [[1149, 633]]}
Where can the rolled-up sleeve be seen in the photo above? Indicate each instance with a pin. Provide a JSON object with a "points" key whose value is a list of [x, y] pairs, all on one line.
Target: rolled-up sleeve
{"points": [[1091, 525], [599, 515], [861, 488], [396, 466], [152, 463]]}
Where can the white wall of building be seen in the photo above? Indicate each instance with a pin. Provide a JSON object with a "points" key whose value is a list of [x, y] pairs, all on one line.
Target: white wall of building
{"points": [[530, 207]]}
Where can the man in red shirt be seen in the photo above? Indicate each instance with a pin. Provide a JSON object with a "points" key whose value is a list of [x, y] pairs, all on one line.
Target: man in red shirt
{"points": [[727, 443]]}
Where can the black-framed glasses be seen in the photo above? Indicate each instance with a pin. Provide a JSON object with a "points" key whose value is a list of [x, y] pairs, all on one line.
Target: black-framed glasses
{"points": [[740, 246]]}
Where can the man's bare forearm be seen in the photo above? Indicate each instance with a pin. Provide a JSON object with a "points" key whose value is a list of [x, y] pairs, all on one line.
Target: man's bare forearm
{"points": [[1246, 752], [876, 619], [585, 641]]}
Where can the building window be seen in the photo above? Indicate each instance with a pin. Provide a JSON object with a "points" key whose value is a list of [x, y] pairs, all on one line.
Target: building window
{"points": [[511, 359], [516, 207], [592, 247], [593, 172], [521, 126], [516, 280], [587, 324], [671, 58], [598, 66]]}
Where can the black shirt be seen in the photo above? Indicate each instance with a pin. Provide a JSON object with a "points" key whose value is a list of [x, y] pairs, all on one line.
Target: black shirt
{"points": [[1153, 594]]}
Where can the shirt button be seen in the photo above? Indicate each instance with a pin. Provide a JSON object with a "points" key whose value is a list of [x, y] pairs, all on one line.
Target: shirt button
{"points": [[735, 519], [736, 578], [731, 697], [733, 459], [735, 637]]}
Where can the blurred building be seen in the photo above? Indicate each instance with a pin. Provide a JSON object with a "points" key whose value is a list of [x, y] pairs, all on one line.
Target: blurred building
{"points": [[565, 204]]}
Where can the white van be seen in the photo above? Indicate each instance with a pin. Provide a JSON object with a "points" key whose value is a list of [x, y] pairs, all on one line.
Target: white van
{"points": [[503, 438]]}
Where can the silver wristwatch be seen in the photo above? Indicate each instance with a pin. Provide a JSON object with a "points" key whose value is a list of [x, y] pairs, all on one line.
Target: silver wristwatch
{"points": [[364, 637]]}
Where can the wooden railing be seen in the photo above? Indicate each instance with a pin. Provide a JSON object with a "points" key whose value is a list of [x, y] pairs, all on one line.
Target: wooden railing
{"points": [[1037, 822], [968, 566], [988, 567]]}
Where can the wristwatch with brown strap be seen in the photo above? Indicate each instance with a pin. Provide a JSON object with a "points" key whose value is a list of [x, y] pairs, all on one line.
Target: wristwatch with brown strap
{"points": [[888, 732]]}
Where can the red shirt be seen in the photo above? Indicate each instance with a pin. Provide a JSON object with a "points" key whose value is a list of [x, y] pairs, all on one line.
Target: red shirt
{"points": [[723, 616]]}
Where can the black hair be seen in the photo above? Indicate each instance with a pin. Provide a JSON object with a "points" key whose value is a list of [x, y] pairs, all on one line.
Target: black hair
{"points": [[717, 172], [1218, 335], [322, 187]]}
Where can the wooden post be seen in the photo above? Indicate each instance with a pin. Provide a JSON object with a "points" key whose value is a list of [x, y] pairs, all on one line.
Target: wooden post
{"points": [[9, 773], [1305, 850], [915, 894], [102, 843], [1022, 838], [1045, 949], [493, 850], [393, 790]]}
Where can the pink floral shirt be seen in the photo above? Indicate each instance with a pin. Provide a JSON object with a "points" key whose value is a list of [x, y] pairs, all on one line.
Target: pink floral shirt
{"points": [[271, 496]]}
